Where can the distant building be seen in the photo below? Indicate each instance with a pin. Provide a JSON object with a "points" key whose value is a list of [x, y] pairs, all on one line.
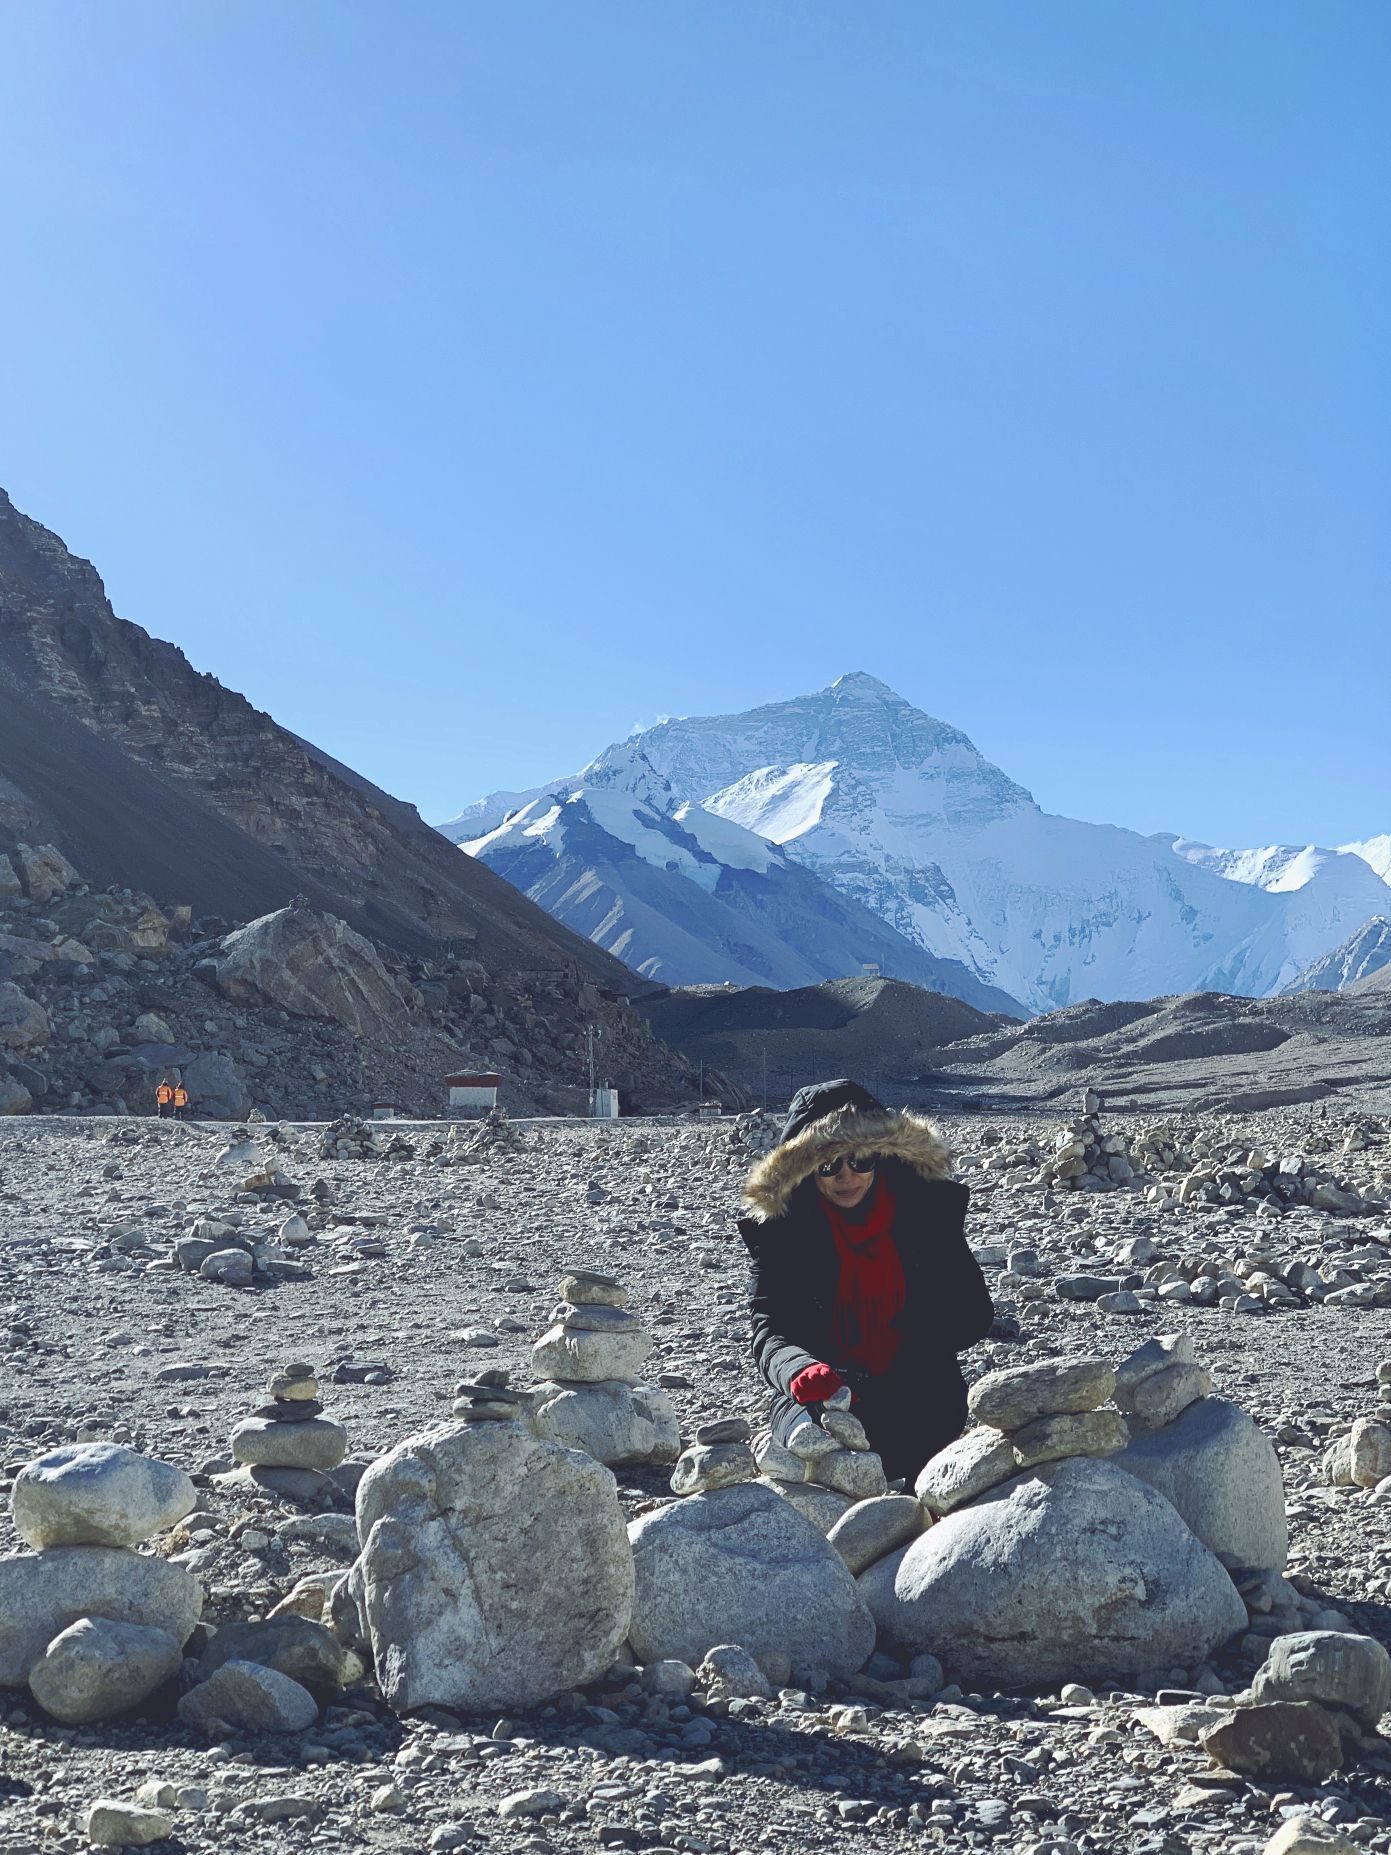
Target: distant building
{"points": [[603, 1104], [477, 1090], [611, 997], [383, 1111]]}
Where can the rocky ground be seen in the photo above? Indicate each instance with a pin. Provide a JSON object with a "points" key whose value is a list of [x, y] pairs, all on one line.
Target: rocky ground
{"points": [[437, 1257]]}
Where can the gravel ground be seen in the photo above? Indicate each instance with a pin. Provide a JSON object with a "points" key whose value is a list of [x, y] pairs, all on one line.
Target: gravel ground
{"points": [[95, 1342]]}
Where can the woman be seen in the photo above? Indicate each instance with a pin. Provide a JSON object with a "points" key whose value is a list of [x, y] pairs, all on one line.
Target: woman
{"points": [[862, 1275]]}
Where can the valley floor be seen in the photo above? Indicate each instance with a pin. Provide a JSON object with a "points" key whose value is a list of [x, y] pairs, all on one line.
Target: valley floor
{"points": [[448, 1268]]}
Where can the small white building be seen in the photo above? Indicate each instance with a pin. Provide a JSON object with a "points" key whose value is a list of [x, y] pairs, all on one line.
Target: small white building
{"points": [[383, 1111], [603, 1104], [477, 1091]]}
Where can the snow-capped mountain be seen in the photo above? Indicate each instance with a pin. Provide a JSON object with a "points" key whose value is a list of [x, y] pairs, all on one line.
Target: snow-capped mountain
{"points": [[1366, 952], [686, 896], [901, 814]]}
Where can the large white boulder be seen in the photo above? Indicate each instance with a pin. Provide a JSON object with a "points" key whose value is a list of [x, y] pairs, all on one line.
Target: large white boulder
{"points": [[97, 1494], [1221, 1473], [264, 1442], [1073, 1571], [741, 1565], [312, 965], [495, 1569], [612, 1421], [41, 1594], [586, 1356]]}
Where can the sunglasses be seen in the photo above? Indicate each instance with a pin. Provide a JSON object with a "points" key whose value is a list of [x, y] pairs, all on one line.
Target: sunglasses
{"points": [[858, 1162]]}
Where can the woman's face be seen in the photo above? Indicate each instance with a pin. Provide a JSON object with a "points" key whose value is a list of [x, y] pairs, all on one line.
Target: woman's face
{"points": [[847, 1188]]}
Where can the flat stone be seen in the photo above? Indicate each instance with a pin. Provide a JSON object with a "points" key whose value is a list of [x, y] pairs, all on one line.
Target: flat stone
{"points": [[595, 1317], [1293, 1741], [292, 1389], [587, 1288], [725, 1430], [1009, 1399], [714, 1465], [1160, 1398], [282, 1411], [1082, 1433], [845, 1427], [1154, 1355], [319, 1444]]}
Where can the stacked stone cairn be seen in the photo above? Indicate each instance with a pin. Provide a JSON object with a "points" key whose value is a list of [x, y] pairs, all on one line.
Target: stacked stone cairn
{"points": [[92, 1626], [489, 1399], [733, 1568], [288, 1446], [589, 1360], [825, 1466], [1177, 1168]]}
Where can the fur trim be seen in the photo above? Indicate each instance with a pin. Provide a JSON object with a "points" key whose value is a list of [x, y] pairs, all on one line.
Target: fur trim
{"points": [[896, 1134]]}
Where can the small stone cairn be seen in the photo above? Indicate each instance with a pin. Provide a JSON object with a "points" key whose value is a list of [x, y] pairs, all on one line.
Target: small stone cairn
{"points": [[1025, 1415], [825, 1466], [283, 1441], [489, 1399], [589, 1360]]}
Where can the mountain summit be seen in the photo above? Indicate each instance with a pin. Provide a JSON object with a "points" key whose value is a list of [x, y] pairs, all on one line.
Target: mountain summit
{"points": [[900, 813]]}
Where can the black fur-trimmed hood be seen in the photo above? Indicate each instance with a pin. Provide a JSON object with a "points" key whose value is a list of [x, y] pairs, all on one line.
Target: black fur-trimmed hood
{"points": [[895, 1133]]}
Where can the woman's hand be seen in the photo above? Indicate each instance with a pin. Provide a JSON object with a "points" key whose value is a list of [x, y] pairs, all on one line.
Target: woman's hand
{"points": [[814, 1384]]}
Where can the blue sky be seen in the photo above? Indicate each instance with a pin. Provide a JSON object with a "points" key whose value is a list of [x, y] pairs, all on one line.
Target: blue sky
{"points": [[468, 383]]}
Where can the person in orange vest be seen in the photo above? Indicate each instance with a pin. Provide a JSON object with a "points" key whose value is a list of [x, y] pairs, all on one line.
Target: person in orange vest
{"points": [[180, 1101], [164, 1098]]}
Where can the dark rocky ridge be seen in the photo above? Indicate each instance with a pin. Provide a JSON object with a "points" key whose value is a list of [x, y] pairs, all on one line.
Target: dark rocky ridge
{"points": [[148, 774], [1199, 1051]]}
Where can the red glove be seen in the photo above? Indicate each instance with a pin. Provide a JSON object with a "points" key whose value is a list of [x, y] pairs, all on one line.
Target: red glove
{"points": [[815, 1384]]}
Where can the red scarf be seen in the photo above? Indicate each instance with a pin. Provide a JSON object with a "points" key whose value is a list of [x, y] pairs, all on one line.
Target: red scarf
{"points": [[871, 1289]]}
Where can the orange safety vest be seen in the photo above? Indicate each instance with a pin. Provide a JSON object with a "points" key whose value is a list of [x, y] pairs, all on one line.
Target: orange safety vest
{"points": [[164, 1094], [180, 1098]]}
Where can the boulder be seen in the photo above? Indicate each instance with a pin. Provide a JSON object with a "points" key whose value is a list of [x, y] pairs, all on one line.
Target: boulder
{"points": [[1070, 1572], [459, 1615], [215, 1087], [1307, 1834], [292, 1645], [585, 1356], [1164, 1395], [15, 1098], [312, 965], [1333, 1667], [1360, 1459], [1055, 1387], [616, 1423], [23, 1020], [114, 1824], [741, 1565], [871, 1528], [707, 1466], [965, 1470], [1154, 1355], [1223, 1476], [858, 1473], [43, 871], [248, 1698], [1285, 1740], [96, 1669], [97, 1494], [41, 1594]]}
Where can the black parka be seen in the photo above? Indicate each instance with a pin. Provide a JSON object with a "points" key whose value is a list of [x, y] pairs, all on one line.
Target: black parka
{"points": [[920, 1403]]}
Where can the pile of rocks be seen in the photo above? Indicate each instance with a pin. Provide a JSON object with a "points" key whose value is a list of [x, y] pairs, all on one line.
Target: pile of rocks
{"points": [[1177, 1167], [91, 1625], [826, 1464], [734, 1563], [1362, 1458], [489, 1399], [288, 1446], [351, 1137], [590, 1397]]}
